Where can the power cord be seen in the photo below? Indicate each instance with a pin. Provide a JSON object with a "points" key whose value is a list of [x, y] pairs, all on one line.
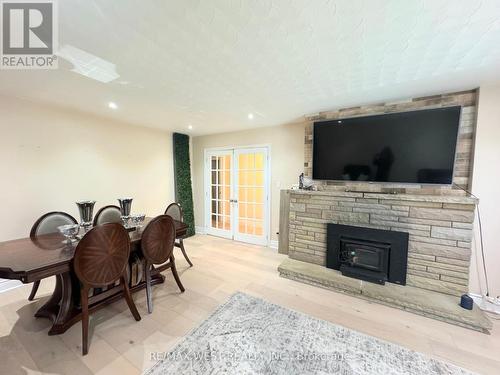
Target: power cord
{"points": [[481, 242]]}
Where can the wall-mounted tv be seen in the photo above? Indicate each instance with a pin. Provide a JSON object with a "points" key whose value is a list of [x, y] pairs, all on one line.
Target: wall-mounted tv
{"points": [[408, 147]]}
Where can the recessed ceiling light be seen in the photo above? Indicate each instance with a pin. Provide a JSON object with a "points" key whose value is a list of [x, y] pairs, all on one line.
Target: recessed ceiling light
{"points": [[190, 127], [112, 105], [250, 116]]}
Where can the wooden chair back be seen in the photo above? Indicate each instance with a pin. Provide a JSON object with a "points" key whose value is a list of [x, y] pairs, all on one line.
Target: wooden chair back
{"points": [[102, 255], [158, 239]]}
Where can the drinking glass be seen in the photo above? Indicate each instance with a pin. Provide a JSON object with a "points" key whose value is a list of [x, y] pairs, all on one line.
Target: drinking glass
{"points": [[69, 232]]}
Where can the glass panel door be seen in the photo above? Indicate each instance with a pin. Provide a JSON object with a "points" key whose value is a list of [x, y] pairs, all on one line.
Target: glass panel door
{"points": [[251, 195], [220, 193], [237, 196]]}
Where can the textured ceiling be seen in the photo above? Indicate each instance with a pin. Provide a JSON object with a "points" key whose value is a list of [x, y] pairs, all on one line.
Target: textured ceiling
{"points": [[210, 63]]}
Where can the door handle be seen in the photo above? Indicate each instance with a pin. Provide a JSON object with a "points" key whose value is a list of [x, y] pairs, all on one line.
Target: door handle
{"points": [[233, 200]]}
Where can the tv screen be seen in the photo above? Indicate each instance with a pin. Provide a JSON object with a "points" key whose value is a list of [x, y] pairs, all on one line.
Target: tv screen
{"points": [[408, 147]]}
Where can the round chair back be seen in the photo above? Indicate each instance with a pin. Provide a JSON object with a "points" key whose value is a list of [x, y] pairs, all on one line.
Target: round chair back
{"points": [[49, 222], [108, 214], [175, 211], [102, 255], [158, 238]]}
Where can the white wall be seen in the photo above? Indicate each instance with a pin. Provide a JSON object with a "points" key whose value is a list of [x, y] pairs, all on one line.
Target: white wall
{"points": [[50, 158], [287, 162], [486, 186]]}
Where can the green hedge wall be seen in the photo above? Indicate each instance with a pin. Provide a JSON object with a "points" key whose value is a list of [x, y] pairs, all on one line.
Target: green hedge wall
{"points": [[182, 176]]}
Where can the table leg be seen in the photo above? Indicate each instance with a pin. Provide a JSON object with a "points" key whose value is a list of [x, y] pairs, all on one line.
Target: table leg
{"points": [[61, 308], [59, 305]]}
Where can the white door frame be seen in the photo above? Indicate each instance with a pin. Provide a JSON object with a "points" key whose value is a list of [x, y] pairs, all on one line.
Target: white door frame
{"points": [[267, 178]]}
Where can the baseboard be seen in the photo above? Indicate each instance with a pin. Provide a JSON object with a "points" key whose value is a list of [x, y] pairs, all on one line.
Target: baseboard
{"points": [[6, 285], [273, 244], [485, 305], [200, 230]]}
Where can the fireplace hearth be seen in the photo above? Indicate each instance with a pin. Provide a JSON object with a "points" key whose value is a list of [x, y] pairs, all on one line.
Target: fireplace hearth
{"points": [[367, 254]]}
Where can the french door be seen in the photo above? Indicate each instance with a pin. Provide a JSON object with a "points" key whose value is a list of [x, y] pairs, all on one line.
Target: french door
{"points": [[237, 194]]}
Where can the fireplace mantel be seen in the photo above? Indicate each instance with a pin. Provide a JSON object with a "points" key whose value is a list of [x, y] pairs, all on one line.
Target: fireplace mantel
{"points": [[457, 197], [440, 229]]}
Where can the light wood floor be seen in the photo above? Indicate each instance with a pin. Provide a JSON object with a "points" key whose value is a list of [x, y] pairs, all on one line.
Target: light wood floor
{"points": [[119, 345]]}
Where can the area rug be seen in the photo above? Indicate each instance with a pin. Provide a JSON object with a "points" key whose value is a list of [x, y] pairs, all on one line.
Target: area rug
{"points": [[248, 335]]}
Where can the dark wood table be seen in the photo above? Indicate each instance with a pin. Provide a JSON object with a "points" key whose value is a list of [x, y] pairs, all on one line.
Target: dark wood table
{"points": [[29, 260]]}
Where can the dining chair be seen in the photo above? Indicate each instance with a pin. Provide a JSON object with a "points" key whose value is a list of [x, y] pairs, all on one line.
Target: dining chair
{"points": [[101, 258], [47, 224], [108, 214], [175, 211], [157, 244]]}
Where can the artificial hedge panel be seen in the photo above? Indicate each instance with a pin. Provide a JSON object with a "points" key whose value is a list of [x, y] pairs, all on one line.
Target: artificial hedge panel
{"points": [[182, 173]]}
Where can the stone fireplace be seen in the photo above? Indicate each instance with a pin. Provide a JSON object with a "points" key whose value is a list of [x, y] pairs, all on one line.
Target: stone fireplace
{"points": [[429, 278], [439, 229], [436, 220]]}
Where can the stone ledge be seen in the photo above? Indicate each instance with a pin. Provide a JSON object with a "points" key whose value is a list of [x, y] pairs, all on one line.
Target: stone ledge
{"points": [[449, 199], [425, 198], [430, 304]]}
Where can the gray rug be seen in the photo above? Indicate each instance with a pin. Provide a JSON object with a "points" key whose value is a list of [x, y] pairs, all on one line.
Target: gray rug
{"points": [[247, 335]]}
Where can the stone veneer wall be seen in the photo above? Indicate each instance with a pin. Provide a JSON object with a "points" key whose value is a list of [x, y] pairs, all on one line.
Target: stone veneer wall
{"points": [[465, 151], [440, 229]]}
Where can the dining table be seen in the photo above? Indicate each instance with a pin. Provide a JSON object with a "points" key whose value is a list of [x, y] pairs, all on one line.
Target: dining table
{"points": [[32, 259]]}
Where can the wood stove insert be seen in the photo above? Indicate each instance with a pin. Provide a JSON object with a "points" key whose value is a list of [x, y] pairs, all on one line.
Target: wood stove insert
{"points": [[372, 255]]}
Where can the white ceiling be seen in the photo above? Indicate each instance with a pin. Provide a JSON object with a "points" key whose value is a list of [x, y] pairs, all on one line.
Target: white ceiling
{"points": [[210, 63]]}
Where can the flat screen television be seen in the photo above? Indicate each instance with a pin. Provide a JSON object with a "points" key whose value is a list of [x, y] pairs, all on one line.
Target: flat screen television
{"points": [[408, 147]]}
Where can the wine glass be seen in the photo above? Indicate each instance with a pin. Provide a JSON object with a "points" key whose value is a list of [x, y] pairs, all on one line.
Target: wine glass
{"points": [[69, 231], [138, 220]]}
